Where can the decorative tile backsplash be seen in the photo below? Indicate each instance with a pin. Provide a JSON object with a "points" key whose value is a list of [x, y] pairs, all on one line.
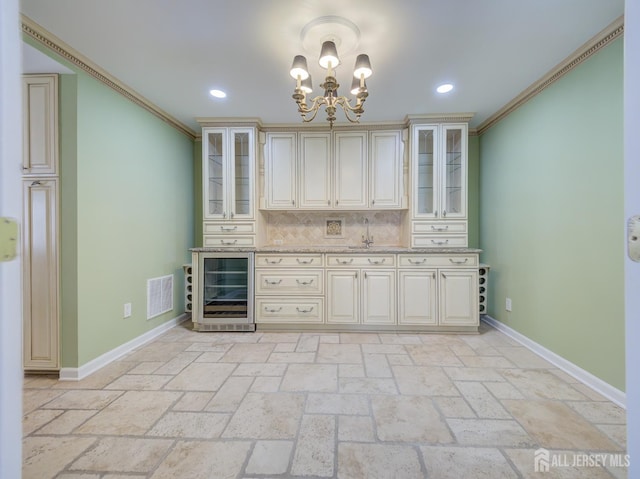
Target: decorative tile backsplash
{"points": [[298, 228]]}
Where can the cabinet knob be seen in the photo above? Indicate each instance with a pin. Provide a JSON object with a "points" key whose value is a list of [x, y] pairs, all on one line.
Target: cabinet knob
{"points": [[444, 213], [329, 202], [293, 202]]}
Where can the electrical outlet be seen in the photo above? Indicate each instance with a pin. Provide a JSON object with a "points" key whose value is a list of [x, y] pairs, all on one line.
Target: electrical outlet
{"points": [[507, 305], [127, 310]]}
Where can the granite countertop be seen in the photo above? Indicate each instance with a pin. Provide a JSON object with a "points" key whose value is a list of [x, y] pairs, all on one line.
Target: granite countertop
{"points": [[339, 249]]}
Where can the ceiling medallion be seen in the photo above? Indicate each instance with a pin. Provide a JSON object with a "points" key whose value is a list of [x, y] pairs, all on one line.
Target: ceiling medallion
{"points": [[331, 32]]}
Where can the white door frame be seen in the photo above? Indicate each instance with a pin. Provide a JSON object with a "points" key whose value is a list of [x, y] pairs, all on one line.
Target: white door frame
{"points": [[10, 272], [632, 207]]}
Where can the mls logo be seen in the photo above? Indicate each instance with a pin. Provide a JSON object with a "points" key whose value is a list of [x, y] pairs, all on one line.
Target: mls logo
{"points": [[541, 460]]}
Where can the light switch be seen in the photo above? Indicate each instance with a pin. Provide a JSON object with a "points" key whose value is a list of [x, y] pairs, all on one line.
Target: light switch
{"points": [[8, 239], [633, 238]]}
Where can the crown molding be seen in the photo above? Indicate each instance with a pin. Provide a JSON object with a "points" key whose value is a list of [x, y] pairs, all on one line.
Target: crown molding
{"points": [[56, 45], [599, 41], [439, 117]]}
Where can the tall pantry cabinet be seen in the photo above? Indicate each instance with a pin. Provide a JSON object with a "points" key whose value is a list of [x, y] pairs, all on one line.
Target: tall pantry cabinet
{"points": [[40, 225]]}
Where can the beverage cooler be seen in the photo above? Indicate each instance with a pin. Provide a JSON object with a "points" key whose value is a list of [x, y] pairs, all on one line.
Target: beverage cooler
{"points": [[223, 291]]}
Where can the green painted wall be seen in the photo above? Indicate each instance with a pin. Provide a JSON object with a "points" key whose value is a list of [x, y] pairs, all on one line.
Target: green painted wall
{"points": [[551, 216], [473, 190]]}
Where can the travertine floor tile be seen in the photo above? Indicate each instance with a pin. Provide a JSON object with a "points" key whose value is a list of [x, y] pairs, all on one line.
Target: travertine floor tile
{"points": [[359, 338], [354, 404], [351, 370], [260, 369], [270, 457], [193, 401], [409, 419], [523, 357], [503, 390], [523, 459], [35, 398], [308, 344], [377, 366], [600, 412], [197, 425], [429, 355], [339, 353], [314, 452], [383, 349], [535, 383], [367, 386], [292, 357], [123, 455], [84, 399], [201, 377], [423, 381], [482, 401], [556, 426], [230, 395], [266, 416], [280, 337], [45, 456], [617, 433], [311, 378], [495, 361], [139, 382], [355, 428], [131, 414], [466, 462], [180, 361], [146, 367], [490, 432], [38, 418], [473, 374], [219, 460], [399, 338], [67, 422], [285, 348], [454, 407], [248, 353], [358, 461]]}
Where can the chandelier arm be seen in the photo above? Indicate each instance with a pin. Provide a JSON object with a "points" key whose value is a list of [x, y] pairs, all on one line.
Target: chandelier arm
{"points": [[316, 103], [348, 109]]}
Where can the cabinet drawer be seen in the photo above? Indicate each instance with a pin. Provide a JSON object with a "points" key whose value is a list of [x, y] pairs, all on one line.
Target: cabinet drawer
{"points": [[439, 227], [288, 260], [272, 281], [429, 260], [361, 260], [286, 310], [229, 241], [433, 241], [228, 228]]}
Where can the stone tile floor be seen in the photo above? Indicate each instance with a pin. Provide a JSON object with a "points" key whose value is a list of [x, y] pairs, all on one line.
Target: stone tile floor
{"points": [[280, 405]]}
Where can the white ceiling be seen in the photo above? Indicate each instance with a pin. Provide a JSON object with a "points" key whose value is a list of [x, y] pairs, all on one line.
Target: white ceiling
{"points": [[174, 52]]}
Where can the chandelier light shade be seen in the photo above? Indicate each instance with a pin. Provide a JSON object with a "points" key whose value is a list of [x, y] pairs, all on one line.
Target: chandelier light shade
{"points": [[330, 99]]}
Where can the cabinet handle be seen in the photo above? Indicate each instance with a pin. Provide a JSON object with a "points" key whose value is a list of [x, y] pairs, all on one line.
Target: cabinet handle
{"points": [[304, 310], [439, 228], [344, 262], [444, 213], [459, 262], [365, 275], [435, 213], [304, 283], [356, 275], [337, 202], [273, 282], [228, 242], [231, 215], [434, 275], [422, 261], [329, 202], [376, 262], [373, 202], [273, 262], [222, 228], [439, 242], [304, 262], [273, 310], [293, 202], [36, 183]]}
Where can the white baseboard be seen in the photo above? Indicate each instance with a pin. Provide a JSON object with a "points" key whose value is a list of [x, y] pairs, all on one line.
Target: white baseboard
{"points": [[76, 374], [595, 383]]}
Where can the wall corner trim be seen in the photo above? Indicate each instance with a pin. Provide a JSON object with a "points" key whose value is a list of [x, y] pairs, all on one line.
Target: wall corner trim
{"points": [[76, 374], [592, 46], [56, 45], [605, 389]]}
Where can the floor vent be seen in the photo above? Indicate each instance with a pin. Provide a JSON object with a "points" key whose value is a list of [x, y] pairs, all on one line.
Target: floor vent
{"points": [[159, 295], [226, 327]]}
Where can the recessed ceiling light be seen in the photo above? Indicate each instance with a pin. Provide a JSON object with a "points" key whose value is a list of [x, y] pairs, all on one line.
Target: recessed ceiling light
{"points": [[218, 93], [445, 88]]}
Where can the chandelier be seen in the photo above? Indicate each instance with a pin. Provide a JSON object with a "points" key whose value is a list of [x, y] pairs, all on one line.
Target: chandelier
{"points": [[330, 99]]}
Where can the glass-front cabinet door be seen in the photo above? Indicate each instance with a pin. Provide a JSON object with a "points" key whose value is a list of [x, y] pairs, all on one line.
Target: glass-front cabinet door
{"points": [[426, 174], [228, 154], [454, 174]]}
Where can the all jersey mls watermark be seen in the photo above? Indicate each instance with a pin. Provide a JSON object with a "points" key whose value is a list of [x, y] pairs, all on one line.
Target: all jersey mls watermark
{"points": [[545, 460]]}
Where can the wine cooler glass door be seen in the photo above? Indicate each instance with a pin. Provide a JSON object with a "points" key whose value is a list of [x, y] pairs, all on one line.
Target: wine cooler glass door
{"points": [[226, 288]]}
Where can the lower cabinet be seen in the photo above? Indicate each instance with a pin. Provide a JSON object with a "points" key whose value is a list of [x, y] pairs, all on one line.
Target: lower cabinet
{"points": [[418, 300], [458, 297], [372, 292]]}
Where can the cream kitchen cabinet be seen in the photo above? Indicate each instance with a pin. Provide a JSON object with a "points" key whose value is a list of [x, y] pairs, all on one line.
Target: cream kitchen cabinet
{"points": [[228, 172], [289, 288], [351, 170], [385, 176], [315, 184], [361, 289], [458, 297], [439, 179], [40, 262], [281, 170], [40, 125], [417, 297]]}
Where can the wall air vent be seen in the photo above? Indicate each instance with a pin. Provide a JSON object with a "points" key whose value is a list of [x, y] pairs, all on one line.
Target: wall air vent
{"points": [[159, 295]]}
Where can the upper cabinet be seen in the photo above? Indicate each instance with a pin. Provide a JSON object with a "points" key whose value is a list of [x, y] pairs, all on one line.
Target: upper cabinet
{"points": [[40, 126], [439, 179], [347, 170], [440, 171], [228, 173]]}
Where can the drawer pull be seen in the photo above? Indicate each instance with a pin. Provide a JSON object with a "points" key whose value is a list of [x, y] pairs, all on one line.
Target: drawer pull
{"points": [[301, 261], [376, 262], [304, 283], [304, 310], [344, 262], [268, 261], [422, 261], [273, 282], [222, 228], [229, 242], [458, 261], [440, 228], [273, 310], [439, 242]]}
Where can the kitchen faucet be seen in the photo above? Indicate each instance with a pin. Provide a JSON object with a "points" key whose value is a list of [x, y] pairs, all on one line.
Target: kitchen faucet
{"points": [[368, 240]]}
